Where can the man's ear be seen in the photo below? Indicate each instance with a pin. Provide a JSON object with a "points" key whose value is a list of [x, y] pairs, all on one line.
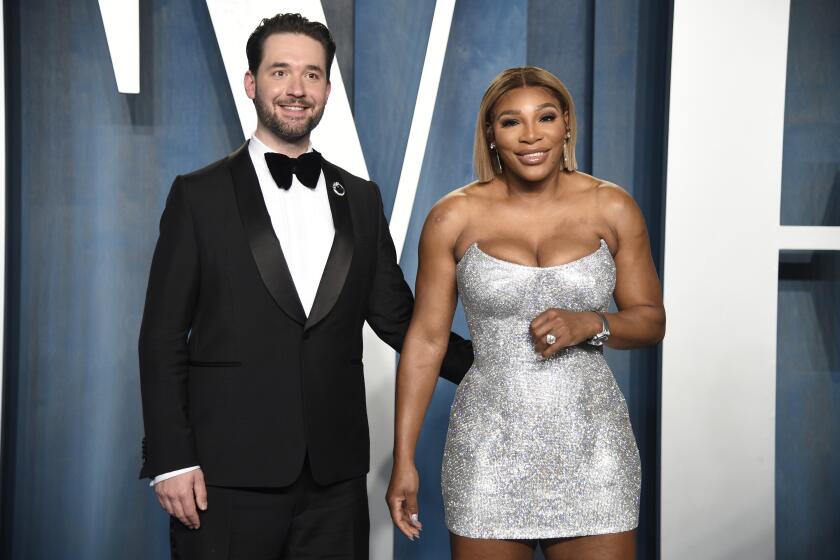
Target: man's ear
{"points": [[250, 83], [329, 88]]}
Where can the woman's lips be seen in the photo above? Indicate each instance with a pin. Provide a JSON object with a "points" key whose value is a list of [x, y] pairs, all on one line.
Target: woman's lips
{"points": [[533, 158]]}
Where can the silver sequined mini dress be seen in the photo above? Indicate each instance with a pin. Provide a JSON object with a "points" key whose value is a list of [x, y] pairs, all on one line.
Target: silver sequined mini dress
{"points": [[537, 449]]}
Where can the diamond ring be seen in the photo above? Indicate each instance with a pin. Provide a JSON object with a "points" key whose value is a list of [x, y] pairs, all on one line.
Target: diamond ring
{"points": [[550, 339]]}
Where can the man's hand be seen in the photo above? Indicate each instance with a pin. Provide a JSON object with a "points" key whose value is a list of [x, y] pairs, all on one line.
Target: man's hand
{"points": [[180, 495]]}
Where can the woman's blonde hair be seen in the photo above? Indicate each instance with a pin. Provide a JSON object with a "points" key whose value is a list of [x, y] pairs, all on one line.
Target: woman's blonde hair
{"points": [[513, 78]]}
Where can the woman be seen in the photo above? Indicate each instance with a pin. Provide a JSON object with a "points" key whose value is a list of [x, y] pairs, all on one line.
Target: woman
{"points": [[539, 448]]}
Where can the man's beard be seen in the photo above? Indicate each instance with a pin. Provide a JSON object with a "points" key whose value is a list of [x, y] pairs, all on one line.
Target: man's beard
{"points": [[289, 131]]}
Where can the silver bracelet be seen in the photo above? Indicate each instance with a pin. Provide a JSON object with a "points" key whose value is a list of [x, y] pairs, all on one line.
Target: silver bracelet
{"points": [[600, 338]]}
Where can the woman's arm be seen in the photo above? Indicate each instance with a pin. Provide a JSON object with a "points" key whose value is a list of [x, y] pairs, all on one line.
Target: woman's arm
{"points": [[423, 350], [640, 320]]}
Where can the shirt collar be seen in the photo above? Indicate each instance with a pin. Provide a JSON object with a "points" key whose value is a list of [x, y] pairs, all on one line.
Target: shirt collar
{"points": [[258, 149]]}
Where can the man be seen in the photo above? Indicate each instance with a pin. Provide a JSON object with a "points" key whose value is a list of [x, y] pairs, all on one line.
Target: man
{"points": [[268, 263]]}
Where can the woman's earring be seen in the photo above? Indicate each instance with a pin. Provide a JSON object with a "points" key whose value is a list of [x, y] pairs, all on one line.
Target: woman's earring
{"points": [[498, 161], [566, 150]]}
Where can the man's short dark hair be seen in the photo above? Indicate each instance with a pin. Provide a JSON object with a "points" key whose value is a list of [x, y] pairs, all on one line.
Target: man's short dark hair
{"points": [[288, 23]]}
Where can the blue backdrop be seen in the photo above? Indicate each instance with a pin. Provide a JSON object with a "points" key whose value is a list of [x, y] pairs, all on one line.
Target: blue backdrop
{"points": [[808, 358], [88, 171]]}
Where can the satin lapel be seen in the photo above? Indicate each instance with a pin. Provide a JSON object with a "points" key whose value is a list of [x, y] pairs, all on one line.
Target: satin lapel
{"points": [[265, 248], [341, 253]]}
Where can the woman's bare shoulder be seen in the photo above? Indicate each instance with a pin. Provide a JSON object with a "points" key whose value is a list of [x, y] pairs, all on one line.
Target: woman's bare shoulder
{"points": [[450, 215], [610, 197], [595, 186], [459, 204], [616, 205]]}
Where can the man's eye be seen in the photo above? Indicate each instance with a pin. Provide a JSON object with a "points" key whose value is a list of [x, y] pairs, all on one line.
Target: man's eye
{"points": [[279, 73]]}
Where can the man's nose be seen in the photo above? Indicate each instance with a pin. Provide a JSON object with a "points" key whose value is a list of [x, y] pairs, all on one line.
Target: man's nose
{"points": [[294, 86]]}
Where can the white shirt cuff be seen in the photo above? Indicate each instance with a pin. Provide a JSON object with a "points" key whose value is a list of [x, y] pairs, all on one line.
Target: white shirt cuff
{"points": [[164, 476]]}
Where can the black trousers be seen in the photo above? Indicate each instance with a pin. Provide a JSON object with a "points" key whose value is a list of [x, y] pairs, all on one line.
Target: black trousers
{"points": [[298, 522]]}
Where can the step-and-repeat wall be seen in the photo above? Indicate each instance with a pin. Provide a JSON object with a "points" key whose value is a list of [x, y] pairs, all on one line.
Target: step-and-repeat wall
{"points": [[718, 117]]}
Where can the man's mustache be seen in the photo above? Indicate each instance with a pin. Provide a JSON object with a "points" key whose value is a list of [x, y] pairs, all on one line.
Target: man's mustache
{"points": [[294, 103]]}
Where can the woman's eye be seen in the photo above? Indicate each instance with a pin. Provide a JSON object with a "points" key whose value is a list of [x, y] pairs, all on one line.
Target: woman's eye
{"points": [[508, 122], [548, 117]]}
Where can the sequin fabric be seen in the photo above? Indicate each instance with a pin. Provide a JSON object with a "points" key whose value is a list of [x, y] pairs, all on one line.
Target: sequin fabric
{"points": [[537, 448]]}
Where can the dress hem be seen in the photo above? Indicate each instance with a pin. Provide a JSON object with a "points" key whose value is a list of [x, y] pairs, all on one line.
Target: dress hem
{"points": [[545, 535]]}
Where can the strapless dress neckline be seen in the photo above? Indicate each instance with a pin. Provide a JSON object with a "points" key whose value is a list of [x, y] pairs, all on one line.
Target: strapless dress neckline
{"points": [[474, 247]]}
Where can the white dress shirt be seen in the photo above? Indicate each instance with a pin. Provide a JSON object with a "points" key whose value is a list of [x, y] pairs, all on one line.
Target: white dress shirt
{"points": [[302, 221]]}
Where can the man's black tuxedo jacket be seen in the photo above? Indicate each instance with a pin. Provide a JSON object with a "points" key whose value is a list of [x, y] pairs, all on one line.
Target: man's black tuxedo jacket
{"points": [[234, 376]]}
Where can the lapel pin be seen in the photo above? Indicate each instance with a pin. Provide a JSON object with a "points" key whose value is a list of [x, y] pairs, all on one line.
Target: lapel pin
{"points": [[338, 188]]}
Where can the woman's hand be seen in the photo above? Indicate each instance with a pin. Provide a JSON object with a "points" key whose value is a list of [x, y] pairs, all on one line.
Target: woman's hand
{"points": [[402, 498], [568, 328]]}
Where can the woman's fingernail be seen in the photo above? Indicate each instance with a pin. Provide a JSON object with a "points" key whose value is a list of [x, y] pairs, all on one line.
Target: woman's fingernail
{"points": [[414, 518]]}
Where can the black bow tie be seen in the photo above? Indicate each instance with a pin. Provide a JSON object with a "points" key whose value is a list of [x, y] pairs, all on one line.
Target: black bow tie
{"points": [[307, 168]]}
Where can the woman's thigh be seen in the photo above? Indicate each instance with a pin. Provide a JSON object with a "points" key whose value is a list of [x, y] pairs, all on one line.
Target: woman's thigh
{"points": [[613, 546], [465, 548]]}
